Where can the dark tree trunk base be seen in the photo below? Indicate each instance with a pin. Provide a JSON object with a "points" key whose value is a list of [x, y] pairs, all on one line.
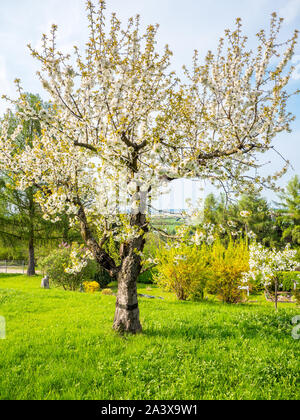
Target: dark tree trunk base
{"points": [[127, 315], [127, 321], [31, 273]]}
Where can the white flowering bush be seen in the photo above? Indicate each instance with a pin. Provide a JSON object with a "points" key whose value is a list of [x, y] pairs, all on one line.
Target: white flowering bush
{"points": [[55, 265], [70, 265], [267, 263]]}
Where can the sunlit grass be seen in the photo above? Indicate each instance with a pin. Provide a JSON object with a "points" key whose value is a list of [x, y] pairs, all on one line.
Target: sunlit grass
{"points": [[60, 345]]}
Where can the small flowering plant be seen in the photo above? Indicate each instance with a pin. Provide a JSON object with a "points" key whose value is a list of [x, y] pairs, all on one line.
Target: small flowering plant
{"points": [[91, 286], [268, 263]]}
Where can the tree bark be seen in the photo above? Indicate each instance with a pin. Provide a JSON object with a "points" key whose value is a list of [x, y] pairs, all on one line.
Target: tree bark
{"points": [[101, 256], [127, 315], [65, 229], [31, 264], [127, 310]]}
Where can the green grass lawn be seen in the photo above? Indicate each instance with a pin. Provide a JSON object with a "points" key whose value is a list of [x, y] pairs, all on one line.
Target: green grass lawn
{"points": [[60, 345]]}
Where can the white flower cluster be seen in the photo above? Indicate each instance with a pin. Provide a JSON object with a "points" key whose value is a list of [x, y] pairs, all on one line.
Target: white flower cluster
{"points": [[245, 214], [79, 258], [266, 262]]}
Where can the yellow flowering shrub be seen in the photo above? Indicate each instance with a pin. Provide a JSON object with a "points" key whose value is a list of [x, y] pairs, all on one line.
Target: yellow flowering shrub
{"points": [[227, 266], [183, 269], [91, 286], [107, 292]]}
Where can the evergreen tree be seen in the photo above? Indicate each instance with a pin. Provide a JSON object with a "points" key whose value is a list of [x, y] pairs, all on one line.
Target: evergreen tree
{"points": [[289, 212]]}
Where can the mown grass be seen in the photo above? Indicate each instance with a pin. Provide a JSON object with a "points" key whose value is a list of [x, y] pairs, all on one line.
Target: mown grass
{"points": [[60, 345]]}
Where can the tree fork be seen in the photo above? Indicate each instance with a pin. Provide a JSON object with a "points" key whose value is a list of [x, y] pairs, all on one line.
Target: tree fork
{"points": [[101, 256]]}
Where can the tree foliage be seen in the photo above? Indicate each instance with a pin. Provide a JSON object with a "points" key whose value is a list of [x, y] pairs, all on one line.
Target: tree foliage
{"points": [[289, 212]]}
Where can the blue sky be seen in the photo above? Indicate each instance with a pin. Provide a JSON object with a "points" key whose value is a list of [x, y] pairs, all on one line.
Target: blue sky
{"points": [[184, 25]]}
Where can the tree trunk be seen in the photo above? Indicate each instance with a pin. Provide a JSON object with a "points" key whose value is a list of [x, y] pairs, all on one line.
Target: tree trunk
{"points": [[31, 264], [127, 315], [127, 311], [66, 229]]}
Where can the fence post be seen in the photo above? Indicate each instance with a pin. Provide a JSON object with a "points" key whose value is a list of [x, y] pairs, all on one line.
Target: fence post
{"points": [[6, 266]]}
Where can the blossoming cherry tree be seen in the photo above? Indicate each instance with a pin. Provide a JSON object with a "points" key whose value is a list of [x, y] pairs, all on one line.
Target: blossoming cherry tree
{"points": [[120, 124]]}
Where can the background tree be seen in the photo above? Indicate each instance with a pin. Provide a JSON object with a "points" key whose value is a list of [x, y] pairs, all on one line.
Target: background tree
{"points": [[21, 218], [288, 214], [19, 221], [250, 215], [121, 124], [22, 223], [253, 215], [214, 210]]}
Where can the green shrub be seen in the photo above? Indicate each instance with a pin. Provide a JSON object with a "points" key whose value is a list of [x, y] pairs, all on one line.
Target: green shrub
{"points": [[152, 245], [146, 277], [257, 285], [287, 279], [54, 266], [10, 253], [94, 272], [297, 296]]}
